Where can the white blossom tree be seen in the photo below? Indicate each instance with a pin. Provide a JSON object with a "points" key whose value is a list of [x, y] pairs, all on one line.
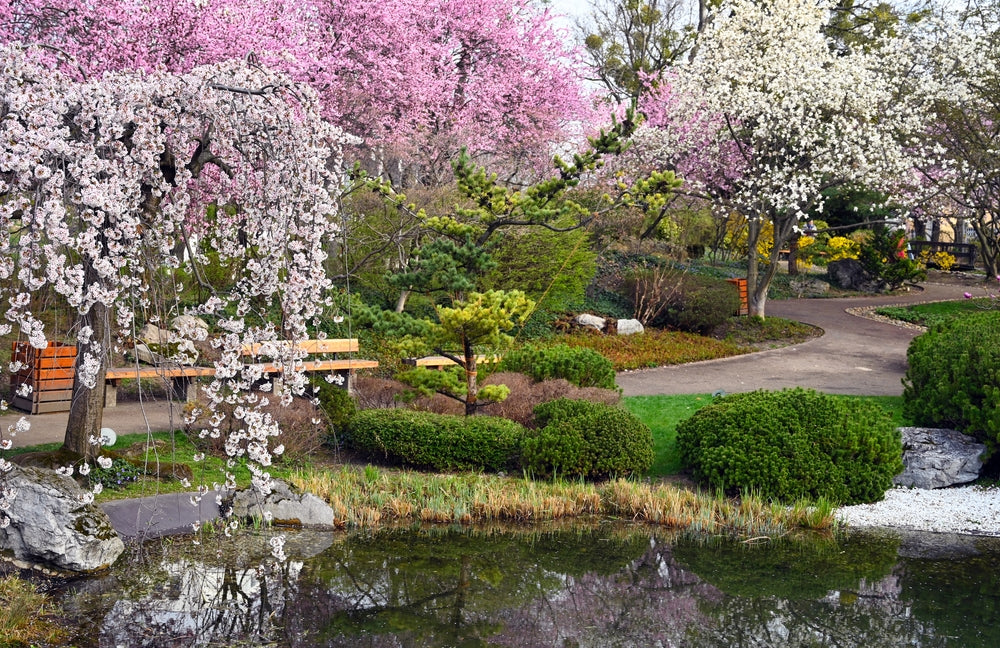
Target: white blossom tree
{"points": [[105, 182], [962, 57], [768, 115]]}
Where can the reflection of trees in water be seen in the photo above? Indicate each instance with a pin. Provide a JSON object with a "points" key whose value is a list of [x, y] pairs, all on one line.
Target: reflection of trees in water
{"points": [[194, 604], [505, 593], [872, 616], [527, 590], [651, 601]]}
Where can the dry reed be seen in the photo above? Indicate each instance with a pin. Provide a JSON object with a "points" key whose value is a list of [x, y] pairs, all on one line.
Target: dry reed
{"points": [[366, 498]]}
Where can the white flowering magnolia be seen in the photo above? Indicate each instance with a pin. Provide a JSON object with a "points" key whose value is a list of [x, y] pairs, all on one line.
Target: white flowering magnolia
{"points": [[106, 183], [768, 115]]}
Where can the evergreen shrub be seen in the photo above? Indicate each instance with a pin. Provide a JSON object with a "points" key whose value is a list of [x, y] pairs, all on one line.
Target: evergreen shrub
{"points": [[793, 444], [436, 441], [953, 377], [335, 403], [583, 439], [580, 366]]}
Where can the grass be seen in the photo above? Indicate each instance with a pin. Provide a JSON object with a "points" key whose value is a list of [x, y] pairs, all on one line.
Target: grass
{"points": [[662, 414], [367, 497], [27, 617], [932, 313], [156, 454]]}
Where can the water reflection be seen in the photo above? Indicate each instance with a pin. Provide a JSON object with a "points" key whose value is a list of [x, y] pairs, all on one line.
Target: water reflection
{"points": [[602, 586]]}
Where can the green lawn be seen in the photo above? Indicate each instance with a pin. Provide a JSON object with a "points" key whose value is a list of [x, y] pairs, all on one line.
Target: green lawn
{"points": [[663, 413], [934, 312]]}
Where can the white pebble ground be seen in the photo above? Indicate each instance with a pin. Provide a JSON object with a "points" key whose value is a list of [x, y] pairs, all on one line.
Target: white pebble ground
{"points": [[967, 509]]}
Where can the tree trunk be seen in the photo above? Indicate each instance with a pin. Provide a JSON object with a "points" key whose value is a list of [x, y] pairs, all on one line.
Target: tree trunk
{"points": [[755, 304], [793, 256], [86, 412], [989, 246], [471, 382]]}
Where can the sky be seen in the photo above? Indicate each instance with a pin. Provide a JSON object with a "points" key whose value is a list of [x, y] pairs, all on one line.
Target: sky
{"points": [[571, 8]]}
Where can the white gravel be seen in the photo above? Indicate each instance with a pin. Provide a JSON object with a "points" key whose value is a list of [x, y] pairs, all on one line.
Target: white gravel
{"points": [[968, 509]]}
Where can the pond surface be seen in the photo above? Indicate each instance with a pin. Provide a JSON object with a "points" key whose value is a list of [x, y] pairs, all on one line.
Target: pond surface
{"points": [[603, 586]]}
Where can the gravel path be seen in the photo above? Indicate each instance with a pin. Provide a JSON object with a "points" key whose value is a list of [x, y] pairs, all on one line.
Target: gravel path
{"points": [[968, 510]]}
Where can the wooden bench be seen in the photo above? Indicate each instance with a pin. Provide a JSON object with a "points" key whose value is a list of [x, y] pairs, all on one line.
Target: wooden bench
{"points": [[184, 385], [440, 362], [965, 253]]}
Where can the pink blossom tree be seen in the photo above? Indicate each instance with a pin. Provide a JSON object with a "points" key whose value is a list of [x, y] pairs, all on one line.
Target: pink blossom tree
{"points": [[417, 80], [97, 182]]}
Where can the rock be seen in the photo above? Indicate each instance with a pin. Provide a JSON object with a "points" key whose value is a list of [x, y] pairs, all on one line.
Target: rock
{"points": [[935, 458], [152, 334], [629, 327], [590, 321], [809, 287], [190, 327], [146, 355], [51, 525], [287, 508], [849, 274]]}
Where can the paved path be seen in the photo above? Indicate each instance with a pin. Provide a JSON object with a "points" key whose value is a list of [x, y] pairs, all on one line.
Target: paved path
{"points": [[855, 355], [126, 418]]}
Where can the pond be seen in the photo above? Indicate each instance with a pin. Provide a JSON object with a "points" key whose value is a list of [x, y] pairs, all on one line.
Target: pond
{"points": [[604, 585]]}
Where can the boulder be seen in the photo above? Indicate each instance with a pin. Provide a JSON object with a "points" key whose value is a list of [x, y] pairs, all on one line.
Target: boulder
{"points": [[849, 274], [190, 326], [145, 355], [629, 327], [935, 458], [51, 525], [152, 334], [286, 507], [590, 321]]}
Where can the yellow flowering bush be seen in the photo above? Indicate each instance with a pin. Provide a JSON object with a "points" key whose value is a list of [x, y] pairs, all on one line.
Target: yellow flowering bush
{"points": [[807, 249], [841, 247], [736, 236], [942, 260]]}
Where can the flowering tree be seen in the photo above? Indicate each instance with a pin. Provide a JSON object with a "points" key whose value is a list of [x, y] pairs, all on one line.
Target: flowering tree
{"points": [[416, 79], [964, 59], [767, 116], [100, 184]]}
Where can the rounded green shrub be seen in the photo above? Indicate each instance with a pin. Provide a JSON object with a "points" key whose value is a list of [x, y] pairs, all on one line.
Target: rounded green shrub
{"points": [[953, 377], [793, 444], [580, 366], [436, 441], [586, 439]]}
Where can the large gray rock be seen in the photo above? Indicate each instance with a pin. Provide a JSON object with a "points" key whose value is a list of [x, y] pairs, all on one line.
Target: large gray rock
{"points": [[935, 458], [51, 525], [629, 327], [590, 321], [849, 274], [286, 507], [153, 334]]}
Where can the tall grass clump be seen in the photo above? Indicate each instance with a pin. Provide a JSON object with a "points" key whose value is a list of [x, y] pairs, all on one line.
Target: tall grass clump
{"points": [[367, 498]]}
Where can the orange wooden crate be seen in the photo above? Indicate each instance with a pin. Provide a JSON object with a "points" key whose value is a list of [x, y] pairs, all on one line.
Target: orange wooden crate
{"points": [[50, 373], [741, 286]]}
